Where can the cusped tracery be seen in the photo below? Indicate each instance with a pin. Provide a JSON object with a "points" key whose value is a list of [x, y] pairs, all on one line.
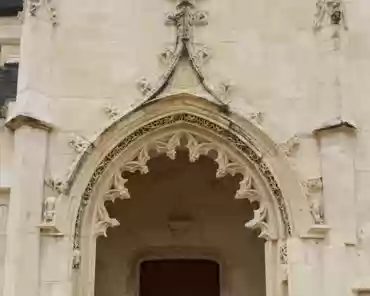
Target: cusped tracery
{"points": [[197, 147]]}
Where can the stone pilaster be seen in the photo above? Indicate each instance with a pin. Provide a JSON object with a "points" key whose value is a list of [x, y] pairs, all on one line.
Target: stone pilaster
{"points": [[23, 237], [336, 141]]}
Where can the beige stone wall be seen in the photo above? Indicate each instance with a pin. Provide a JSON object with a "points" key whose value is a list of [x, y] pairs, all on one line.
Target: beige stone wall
{"points": [[276, 64]]}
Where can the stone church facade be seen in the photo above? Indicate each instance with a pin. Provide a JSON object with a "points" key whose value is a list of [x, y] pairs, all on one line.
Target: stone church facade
{"points": [[174, 147]]}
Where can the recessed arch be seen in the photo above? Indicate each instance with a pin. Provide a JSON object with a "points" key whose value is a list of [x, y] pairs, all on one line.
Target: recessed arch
{"points": [[199, 126]]}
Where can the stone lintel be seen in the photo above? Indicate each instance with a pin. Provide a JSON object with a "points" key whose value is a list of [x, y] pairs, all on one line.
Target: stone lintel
{"points": [[20, 120]]}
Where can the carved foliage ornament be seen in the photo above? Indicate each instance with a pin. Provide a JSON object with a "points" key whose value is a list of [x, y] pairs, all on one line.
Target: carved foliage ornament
{"points": [[36, 7], [196, 148], [78, 143], [186, 18]]}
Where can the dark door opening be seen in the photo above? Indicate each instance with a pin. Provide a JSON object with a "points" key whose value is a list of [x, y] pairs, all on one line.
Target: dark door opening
{"points": [[180, 277]]}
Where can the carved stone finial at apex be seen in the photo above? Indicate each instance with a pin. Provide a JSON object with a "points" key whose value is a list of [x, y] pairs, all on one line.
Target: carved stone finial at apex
{"points": [[290, 146], [78, 143], [185, 19]]}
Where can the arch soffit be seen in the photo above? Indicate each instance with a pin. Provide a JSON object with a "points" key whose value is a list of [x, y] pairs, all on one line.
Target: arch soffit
{"points": [[184, 111]]}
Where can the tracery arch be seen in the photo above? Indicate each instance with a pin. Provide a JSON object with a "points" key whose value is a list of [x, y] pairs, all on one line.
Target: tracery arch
{"points": [[161, 128]]}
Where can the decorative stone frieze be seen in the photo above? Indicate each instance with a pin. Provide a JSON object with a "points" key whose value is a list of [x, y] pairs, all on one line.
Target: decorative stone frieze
{"points": [[186, 18]]}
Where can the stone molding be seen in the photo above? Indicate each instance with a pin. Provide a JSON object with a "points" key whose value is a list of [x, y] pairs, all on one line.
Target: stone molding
{"points": [[20, 120], [336, 124], [196, 149]]}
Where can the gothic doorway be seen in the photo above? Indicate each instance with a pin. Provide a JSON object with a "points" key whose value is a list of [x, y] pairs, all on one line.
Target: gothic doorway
{"points": [[181, 233]]}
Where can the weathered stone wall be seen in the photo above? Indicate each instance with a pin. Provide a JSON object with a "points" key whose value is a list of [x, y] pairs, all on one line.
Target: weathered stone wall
{"points": [[294, 79]]}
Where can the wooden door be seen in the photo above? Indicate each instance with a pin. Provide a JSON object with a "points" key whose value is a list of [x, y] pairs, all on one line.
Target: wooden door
{"points": [[181, 277]]}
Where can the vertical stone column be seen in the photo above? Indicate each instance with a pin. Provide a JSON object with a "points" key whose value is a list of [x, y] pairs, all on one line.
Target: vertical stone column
{"points": [[25, 209], [338, 173]]}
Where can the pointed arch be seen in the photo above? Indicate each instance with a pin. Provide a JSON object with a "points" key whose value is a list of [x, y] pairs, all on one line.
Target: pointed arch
{"points": [[161, 127]]}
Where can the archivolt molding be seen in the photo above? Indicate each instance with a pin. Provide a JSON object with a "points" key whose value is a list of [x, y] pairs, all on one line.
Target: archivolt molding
{"points": [[197, 146]]}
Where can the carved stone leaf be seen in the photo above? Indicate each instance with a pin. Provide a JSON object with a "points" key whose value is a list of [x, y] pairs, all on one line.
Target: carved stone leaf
{"points": [[259, 221], [140, 163], [104, 221], [196, 149], [169, 147], [118, 189], [247, 190]]}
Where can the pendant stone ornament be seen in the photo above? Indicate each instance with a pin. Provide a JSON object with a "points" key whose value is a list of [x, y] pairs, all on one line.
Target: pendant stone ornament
{"points": [[186, 18]]}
